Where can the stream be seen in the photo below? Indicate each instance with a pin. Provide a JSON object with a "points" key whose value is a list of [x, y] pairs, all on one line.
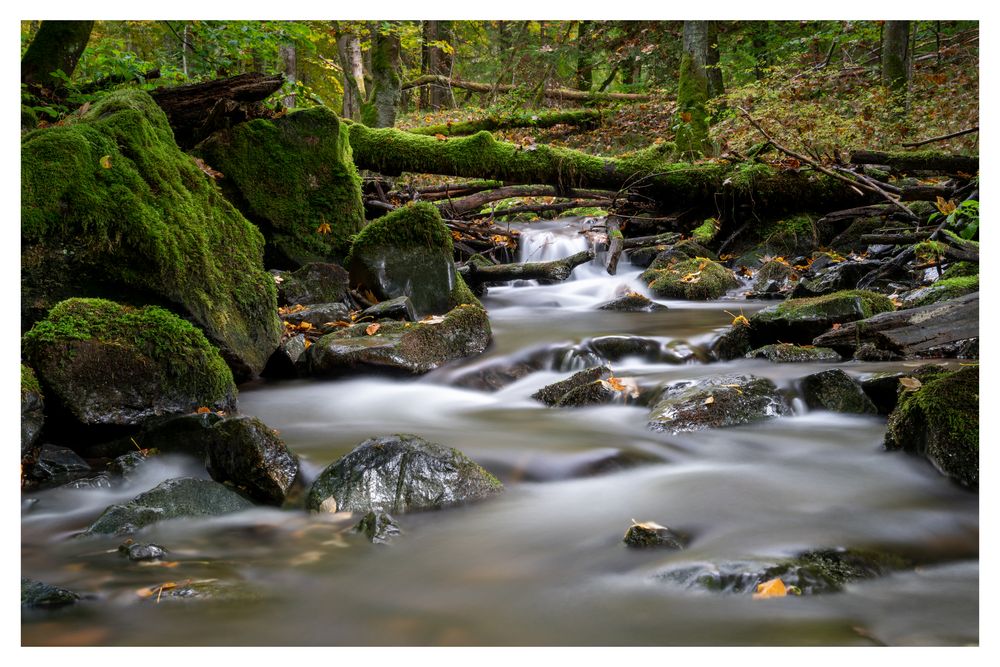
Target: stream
{"points": [[544, 563]]}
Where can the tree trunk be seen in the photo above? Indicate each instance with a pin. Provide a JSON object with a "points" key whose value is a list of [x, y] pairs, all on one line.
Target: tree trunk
{"points": [[895, 56], [436, 61], [386, 92], [759, 47], [584, 60], [287, 52], [692, 91], [561, 93], [349, 52], [918, 161], [185, 48], [57, 46], [714, 70]]}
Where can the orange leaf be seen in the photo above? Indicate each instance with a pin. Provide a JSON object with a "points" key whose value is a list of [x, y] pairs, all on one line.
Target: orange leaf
{"points": [[616, 384], [775, 588], [372, 329], [203, 410], [324, 228], [440, 137]]}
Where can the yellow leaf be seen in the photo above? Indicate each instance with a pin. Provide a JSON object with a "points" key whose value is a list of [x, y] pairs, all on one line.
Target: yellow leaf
{"points": [[945, 207], [307, 343], [709, 400], [324, 228], [106, 162], [616, 384], [304, 326], [372, 329], [440, 137], [775, 588], [910, 384], [203, 410]]}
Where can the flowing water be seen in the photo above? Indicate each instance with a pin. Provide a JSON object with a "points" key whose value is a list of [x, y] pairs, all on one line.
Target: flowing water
{"points": [[543, 563]]}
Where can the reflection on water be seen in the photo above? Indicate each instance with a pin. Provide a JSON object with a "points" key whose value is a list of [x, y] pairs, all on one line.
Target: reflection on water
{"points": [[544, 563]]}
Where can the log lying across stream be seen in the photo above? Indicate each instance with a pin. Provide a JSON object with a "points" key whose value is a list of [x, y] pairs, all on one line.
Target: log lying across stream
{"points": [[556, 270]]}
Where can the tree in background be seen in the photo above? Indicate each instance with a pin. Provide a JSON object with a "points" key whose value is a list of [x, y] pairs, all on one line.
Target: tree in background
{"points": [[386, 90], [53, 54], [896, 60], [693, 91]]}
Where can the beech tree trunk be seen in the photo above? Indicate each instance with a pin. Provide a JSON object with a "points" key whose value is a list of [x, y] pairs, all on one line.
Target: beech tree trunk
{"points": [[349, 52], [386, 91], [435, 61], [693, 91], [56, 47], [895, 56], [287, 52]]}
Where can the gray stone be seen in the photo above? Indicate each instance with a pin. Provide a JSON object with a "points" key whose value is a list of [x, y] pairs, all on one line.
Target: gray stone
{"points": [[400, 308], [716, 402], [551, 394], [836, 391]]}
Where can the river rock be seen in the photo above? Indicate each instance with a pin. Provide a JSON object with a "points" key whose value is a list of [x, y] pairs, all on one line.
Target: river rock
{"points": [[598, 392], [941, 290], [616, 348], [294, 177], [378, 527], [32, 410], [939, 420], [715, 402], [401, 347], [788, 353], [111, 207], [313, 284], [400, 308], [832, 277], [551, 394], [37, 594], [400, 473], [695, 279], [320, 316], [650, 534], [632, 302], [774, 280], [182, 434], [243, 452], [884, 388], [836, 391], [182, 497], [801, 320], [112, 364], [141, 552], [286, 360], [409, 253], [499, 374], [57, 465]]}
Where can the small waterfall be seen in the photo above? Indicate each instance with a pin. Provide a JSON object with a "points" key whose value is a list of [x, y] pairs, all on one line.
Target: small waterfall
{"points": [[544, 242]]}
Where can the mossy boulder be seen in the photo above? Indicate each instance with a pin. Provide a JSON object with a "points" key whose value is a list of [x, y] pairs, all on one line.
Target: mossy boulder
{"points": [[32, 410], [400, 473], [551, 394], [942, 290], [695, 279], [716, 402], [294, 177], [834, 277], [409, 252], [774, 278], [111, 207], [940, 421], [244, 453], [107, 363], [316, 282], [401, 347], [961, 270], [836, 391], [632, 302], [801, 320], [650, 534], [787, 353], [182, 497]]}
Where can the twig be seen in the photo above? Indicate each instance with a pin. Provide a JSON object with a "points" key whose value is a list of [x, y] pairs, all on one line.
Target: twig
{"points": [[941, 138]]}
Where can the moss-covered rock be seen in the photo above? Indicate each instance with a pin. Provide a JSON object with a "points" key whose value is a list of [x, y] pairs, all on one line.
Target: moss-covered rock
{"points": [[961, 270], [632, 302], [32, 410], [409, 253], [317, 282], [183, 497], [111, 207], [773, 278], [716, 402], [942, 290], [695, 279], [400, 473], [650, 534], [114, 364], [407, 347], [836, 391], [787, 353], [940, 421], [552, 393], [295, 178], [801, 320], [39, 594]]}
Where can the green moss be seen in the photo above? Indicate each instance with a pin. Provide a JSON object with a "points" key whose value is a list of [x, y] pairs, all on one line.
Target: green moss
{"points": [[929, 250], [692, 95], [871, 304], [961, 270], [462, 294], [695, 279], [706, 231], [176, 348], [292, 176], [112, 197], [945, 289], [29, 119], [539, 119], [29, 383], [745, 176], [416, 225]]}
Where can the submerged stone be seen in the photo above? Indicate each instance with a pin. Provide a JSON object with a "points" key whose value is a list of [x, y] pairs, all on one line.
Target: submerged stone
{"points": [[836, 391], [141, 552], [38, 594], [400, 473], [378, 527], [716, 402]]}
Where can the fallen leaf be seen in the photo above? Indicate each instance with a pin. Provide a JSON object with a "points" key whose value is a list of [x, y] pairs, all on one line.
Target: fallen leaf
{"points": [[372, 329], [836, 325], [106, 162], [440, 137], [775, 588], [910, 384], [432, 319], [709, 400], [324, 228], [203, 410]]}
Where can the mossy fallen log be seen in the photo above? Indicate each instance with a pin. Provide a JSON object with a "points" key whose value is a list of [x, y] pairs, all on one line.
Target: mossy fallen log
{"points": [[581, 118], [919, 161], [560, 93]]}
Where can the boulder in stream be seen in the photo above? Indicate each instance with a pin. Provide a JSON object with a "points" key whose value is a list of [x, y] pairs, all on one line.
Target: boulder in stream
{"points": [[787, 353], [694, 279], [836, 391], [378, 527], [400, 473], [715, 402], [37, 594], [801, 320], [650, 534], [32, 410], [245, 453], [632, 302], [314, 283], [551, 394]]}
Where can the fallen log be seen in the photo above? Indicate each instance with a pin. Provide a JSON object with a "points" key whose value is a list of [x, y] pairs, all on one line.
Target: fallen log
{"points": [[645, 241], [582, 118], [560, 93], [554, 206], [942, 137], [914, 332], [555, 270], [919, 161], [474, 202]]}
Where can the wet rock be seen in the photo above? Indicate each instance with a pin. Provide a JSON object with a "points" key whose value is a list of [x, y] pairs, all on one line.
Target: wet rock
{"points": [[190, 592], [836, 391], [314, 283], [644, 257], [632, 302], [101, 480], [650, 534], [183, 434], [400, 473], [32, 410], [246, 454], [599, 392], [141, 552], [942, 290], [400, 308], [773, 280], [832, 278], [497, 375], [694, 279], [173, 499], [716, 402], [884, 389], [284, 363], [320, 316], [378, 527], [110, 364], [736, 342], [939, 420], [871, 352], [57, 465], [38, 594], [126, 465], [801, 320], [553, 393], [788, 353], [616, 348], [402, 347]]}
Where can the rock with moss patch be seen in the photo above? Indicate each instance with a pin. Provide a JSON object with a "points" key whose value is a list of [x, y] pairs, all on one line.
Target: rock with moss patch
{"points": [[632, 302], [182, 497], [716, 402], [942, 290], [400, 473], [32, 410], [551, 394], [836, 391], [314, 283], [649, 534], [295, 178], [773, 280], [787, 353], [409, 253], [37, 594], [245, 453], [112, 364], [961, 270], [401, 347], [400, 308], [695, 279], [801, 320], [111, 207], [833, 277], [940, 421], [598, 392], [884, 388]]}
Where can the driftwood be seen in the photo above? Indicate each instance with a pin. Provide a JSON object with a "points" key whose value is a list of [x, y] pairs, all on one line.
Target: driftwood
{"points": [[560, 93], [904, 162], [197, 110], [913, 332], [555, 270]]}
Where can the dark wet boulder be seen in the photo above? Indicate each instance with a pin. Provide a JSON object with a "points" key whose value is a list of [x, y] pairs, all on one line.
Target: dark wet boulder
{"points": [[314, 283], [401, 347], [112, 364], [884, 388], [616, 348], [715, 402], [834, 277], [294, 178], [32, 410], [400, 308], [941, 290], [182, 497], [598, 392], [551, 394], [285, 362], [183, 434], [694, 279], [788, 353], [378, 527], [801, 320], [644, 257], [409, 253], [56, 465], [836, 391], [244, 453], [127, 466], [495, 375], [112, 208], [736, 342], [38, 594], [400, 473], [632, 302], [319, 317], [939, 420], [774, 280], [651, 534], [141, 552]]}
